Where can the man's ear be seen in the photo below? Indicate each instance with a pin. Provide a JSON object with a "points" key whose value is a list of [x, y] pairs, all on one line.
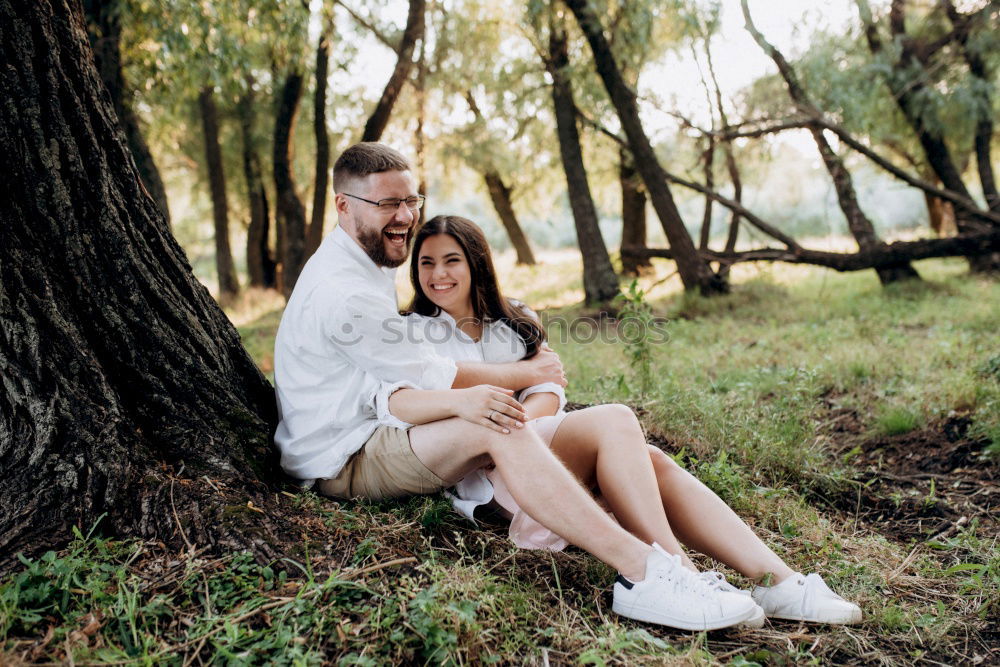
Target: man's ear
{"points": [[340, 202]]}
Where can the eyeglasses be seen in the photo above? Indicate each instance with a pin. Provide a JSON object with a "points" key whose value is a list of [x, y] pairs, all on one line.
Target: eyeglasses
{"points": [[390, 205]]}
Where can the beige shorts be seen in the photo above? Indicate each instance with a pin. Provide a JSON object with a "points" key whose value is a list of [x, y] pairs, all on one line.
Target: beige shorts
{"points": [[384, 467]]}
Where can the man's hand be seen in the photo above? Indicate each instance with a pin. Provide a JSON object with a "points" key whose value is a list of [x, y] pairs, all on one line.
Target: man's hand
{"points": [[546, 367], [489, 406]]}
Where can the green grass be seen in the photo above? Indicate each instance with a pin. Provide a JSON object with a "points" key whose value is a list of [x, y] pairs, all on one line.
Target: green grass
{"points": [[743, 389]]}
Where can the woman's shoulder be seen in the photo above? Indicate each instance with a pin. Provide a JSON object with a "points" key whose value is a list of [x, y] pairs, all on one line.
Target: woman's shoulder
{"points": [[523, 308]]}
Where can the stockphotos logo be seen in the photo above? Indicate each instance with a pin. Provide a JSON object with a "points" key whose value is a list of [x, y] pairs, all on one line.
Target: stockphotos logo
{"points": [[403, 330]]}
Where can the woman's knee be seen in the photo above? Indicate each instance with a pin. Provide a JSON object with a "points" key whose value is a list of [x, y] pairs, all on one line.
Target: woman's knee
{"points": [[663, 464], [609, 416]]}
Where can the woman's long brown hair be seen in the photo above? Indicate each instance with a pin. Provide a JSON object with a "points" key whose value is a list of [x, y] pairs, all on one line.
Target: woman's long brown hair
{"points": [[488, 303]]}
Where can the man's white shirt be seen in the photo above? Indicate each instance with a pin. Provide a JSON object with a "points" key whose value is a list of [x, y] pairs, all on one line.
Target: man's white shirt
{"points": [[342, 348]]}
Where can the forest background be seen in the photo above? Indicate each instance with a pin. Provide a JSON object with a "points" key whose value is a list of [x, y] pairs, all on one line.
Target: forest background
{"points": [[725, 156]]}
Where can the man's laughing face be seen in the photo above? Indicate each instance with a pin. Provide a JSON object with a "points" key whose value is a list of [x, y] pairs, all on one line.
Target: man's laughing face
{"points": [[384, 234]]}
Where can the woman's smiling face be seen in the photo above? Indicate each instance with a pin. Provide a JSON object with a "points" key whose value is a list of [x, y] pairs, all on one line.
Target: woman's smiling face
{"points": [[444, 275]]}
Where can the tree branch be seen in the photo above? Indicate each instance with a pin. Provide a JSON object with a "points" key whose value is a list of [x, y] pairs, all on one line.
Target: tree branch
{"points": [[878, 256], [362, 21], [969, 206]]}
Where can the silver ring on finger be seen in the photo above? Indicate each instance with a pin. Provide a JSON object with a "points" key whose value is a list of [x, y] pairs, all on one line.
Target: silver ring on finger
{"points": [[490, 416]]}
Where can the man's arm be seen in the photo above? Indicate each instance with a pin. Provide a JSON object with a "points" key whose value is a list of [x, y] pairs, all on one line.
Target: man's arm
{"points": [[543, 367], [490, 406]]}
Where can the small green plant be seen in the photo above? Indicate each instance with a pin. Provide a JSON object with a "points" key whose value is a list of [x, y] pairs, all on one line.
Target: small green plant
{"points": [[637, 328]]}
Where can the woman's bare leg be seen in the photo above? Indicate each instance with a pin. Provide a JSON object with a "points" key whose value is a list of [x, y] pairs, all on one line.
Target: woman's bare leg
{"points": [[654, 498], [604, 447], [704, 523]]}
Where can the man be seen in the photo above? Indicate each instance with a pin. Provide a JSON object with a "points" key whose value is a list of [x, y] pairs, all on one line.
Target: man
{"points": [[340, 350]]}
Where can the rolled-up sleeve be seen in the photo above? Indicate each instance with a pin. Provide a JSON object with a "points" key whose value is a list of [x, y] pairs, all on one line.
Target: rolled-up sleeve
{"points": [[379, 403], [544, 388]]}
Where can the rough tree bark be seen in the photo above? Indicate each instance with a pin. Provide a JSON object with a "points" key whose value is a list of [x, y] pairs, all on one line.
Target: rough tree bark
{"points": [[290, 212], [104, 25], [123, 383], [860, 226], [906, 78], [500, 196], [413, 31], [600, 284], [260, 262], [694, 271], [229, 285], [315, 233], [633, 213]]}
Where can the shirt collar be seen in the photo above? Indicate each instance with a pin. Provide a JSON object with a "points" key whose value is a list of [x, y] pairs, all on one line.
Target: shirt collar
{"points": [[338, 237]]}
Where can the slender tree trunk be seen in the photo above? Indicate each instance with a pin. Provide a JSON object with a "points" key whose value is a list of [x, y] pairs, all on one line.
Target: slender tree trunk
{"points": [[860, 226], [290, 212], [941, 215], [706, 218], [633, 213], [413, 31], [500, 196], [419, 135], [229, 285], [104, 26], [600, 284], [694, 271], [260, 263], [731, 168], [125, 385], [315, 233]]}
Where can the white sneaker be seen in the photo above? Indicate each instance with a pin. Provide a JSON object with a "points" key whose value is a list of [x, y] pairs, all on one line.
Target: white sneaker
{"points": [[806, 598], [718, 581], [674, 596]]}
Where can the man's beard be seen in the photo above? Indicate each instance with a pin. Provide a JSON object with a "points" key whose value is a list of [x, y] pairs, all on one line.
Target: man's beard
{"points": [[373, 243]]}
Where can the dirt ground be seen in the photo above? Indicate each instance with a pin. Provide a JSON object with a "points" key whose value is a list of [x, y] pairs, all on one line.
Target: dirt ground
{"points": [[920, 485]]}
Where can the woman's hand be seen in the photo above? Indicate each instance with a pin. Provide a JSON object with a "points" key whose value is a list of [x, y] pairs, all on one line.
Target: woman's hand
{"points": [[546, 366], [489, 406]]}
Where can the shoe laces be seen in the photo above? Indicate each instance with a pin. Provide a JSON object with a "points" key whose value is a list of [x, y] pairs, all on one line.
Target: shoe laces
{"points": [[717, 581], [682, 580]]}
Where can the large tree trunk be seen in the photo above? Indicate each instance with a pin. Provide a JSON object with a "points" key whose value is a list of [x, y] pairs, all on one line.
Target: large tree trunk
{"points": [[694, 271], [260, 262], [315, 233], [633, 213], [413, 31], [103, 22], [500, 196], [860, 226], [600, 284], [229, 285], [290, 212], [124, 384]]}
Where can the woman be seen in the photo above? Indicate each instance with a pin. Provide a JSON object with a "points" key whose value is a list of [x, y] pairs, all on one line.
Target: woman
{"points": [[458, 302]]}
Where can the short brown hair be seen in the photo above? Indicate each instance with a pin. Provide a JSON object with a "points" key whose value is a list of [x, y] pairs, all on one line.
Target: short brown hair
{"points": [[367, 157]]}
